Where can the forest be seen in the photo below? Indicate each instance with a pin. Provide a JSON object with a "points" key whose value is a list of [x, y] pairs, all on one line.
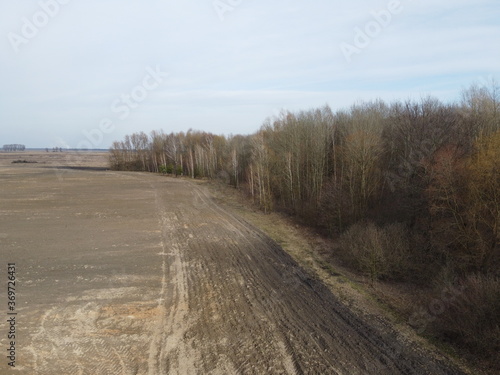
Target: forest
{"points": [[409, 190]]}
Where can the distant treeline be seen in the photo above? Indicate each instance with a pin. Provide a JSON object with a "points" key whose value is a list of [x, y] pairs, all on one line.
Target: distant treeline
{"points": [[14, 148], [411, 191]]}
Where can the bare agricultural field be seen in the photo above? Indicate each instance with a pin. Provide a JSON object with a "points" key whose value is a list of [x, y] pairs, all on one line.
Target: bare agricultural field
{"points": [[66, 159], [135, 273]]}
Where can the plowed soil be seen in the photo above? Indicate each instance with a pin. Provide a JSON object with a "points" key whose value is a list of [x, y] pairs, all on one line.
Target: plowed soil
{"points": [[133, 273]]}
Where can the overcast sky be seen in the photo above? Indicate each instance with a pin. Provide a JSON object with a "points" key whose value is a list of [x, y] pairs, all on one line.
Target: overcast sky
{"points": [[87, 72]]}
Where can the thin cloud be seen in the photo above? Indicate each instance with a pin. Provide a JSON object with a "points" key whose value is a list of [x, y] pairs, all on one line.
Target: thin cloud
{"points": [[227, 77]]}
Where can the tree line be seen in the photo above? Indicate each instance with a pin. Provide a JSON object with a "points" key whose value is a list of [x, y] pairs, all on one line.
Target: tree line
{"points": [[14, 148], [411, 189], [431, 166]]}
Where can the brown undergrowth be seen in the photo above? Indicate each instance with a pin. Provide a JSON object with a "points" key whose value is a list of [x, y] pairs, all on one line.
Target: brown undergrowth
{"points": [[425, 315]]}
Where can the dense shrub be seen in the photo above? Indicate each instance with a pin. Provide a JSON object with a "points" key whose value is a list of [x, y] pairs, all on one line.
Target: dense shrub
{"points": [[472, 318], [380, 252]]}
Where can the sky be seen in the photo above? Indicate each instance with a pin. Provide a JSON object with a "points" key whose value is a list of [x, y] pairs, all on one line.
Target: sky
{"points": [[84, 73]]}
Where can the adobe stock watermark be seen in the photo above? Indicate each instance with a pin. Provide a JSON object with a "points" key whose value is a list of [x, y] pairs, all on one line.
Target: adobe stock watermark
{"points": [[363, 36], [421, 318], [488, 82], [222, 7], [122, 107], [31, 27]]}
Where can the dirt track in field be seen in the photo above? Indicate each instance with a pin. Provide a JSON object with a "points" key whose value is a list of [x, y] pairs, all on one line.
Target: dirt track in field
{"points": [[132, 273]]}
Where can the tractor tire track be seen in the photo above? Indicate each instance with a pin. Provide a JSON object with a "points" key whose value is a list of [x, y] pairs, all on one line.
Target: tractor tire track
{"points": [[166, 281]]}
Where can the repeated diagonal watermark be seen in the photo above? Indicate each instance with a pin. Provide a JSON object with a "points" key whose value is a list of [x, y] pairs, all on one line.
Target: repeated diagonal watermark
{"points": [[31, 26], [425, 315], [122, 107], [371, 30], [222, 7]]}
